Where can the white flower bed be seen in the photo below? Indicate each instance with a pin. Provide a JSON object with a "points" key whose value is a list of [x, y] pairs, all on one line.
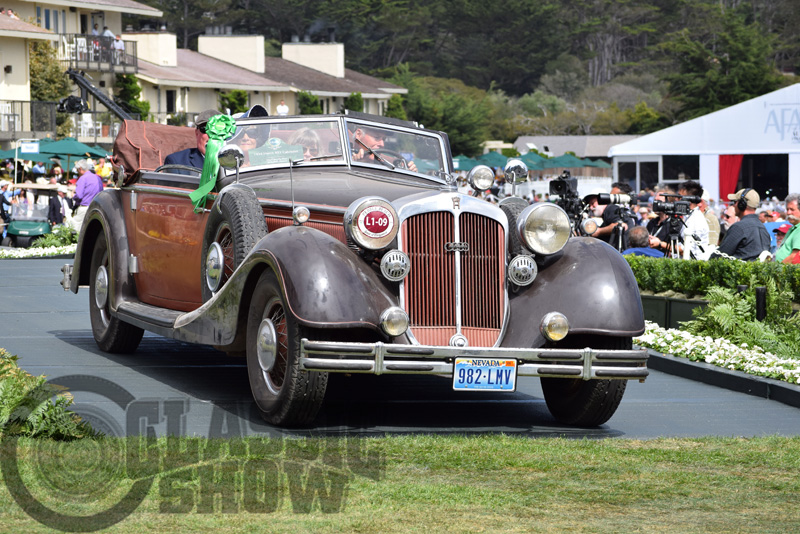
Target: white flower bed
{"points": [[37, 252], [753, 360]]}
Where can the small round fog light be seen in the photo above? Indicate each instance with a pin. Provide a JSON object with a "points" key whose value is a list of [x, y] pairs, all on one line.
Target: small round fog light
{"points": [[589, 226], [300, 214], [555, 326], [394, 321]]}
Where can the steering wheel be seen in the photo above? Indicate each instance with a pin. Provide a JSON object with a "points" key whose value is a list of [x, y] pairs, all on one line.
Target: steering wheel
{"points": [[175, 166], [395, 158]]}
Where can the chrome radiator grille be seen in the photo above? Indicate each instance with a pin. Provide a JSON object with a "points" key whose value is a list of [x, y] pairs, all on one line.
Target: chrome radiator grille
{"points": [[448, 292]]}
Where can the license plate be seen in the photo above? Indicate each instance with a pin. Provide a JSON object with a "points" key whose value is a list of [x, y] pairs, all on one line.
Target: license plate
{"points": [[485, 374]]}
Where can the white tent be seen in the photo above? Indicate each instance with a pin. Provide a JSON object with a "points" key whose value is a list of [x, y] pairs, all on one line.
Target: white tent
{"points": [[769, 124]]}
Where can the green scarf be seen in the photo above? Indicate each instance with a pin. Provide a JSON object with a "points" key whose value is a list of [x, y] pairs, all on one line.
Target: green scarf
{"points": [[218, 128]]}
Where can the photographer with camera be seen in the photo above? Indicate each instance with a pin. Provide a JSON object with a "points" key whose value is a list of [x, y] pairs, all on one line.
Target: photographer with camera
{"points": [[747, 239], [695, 245], [617, 218], [663, 225]]}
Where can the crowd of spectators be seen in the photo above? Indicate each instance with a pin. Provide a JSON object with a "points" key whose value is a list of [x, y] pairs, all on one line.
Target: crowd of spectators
{"points": [[745, 227], [63, 196]]}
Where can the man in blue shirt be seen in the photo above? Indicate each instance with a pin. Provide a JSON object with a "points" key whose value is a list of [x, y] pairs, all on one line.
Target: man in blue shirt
{"points": [[639, 241], [195, 156]]}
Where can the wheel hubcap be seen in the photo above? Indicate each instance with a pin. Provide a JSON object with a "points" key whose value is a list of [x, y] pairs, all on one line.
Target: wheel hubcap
{"points": [[101, 287], [266, 345], [214, 266]]}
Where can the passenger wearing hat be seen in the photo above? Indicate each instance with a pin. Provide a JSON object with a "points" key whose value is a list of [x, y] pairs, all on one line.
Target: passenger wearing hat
{"points": [[780, 232], [789, 251], [59, 211], [748, 238], [89, 185], [195, 156]]}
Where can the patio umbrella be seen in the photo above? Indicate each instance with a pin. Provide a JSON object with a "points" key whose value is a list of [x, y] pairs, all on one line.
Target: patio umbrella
{"points": [[600, 164], [535, 162], [71, 147], [567, 160], [492, 159], [464, 163]]}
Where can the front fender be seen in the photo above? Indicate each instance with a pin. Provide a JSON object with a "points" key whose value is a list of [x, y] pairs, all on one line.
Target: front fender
{"points": [[326, 284], [591, 284], [105, 215]]}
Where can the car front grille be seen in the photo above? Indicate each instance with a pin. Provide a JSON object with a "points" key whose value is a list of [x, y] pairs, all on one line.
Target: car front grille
{"points": [[440, 280]]}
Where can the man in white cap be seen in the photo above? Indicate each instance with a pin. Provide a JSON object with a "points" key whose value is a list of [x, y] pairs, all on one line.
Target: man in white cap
{"points": [[748, 238], [88, 186], [59, 210]]}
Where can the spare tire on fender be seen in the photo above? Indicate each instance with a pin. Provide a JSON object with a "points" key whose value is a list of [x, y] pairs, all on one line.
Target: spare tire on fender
{"points": [[236, 223]]}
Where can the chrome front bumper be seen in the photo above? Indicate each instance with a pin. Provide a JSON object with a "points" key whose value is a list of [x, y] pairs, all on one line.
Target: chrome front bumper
{"points": [[381, 358]]}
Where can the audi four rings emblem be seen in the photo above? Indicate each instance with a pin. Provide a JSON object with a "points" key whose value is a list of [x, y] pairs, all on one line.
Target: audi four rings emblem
{"points": [[456, 246]]}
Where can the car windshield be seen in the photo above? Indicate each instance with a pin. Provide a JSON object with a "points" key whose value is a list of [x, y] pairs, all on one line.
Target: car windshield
{"points": [[395, 148], [276, 143], [28, 212]]}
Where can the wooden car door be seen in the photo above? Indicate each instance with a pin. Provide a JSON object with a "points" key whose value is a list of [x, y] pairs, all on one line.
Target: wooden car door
{"points": [[166, 238]]}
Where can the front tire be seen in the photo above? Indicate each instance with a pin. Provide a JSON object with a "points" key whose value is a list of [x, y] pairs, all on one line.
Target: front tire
{"points": [[285, 394], [237, 223], [586, 403], [110, 334]]}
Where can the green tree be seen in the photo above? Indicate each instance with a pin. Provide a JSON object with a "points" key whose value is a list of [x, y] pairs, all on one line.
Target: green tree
{"points": [[729, 63], [48, 84], [189, 18], [394, 107], [308, 104], [236, 100], [447, 105], [645, 120], [354, 102], [128, 93]]}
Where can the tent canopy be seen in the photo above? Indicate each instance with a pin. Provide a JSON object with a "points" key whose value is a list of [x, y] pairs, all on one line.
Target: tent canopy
{"points": [[769, 124]]}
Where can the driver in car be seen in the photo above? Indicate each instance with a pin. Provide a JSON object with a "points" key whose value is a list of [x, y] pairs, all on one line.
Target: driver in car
{"points": [[369, 141], [195, 156]]}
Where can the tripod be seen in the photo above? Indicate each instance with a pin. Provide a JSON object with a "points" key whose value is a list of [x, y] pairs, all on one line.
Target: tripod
{"points": [[675, 224]]}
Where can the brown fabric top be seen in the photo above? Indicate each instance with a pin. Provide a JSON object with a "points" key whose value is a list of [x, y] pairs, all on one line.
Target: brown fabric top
{"points": [[144, 145]]}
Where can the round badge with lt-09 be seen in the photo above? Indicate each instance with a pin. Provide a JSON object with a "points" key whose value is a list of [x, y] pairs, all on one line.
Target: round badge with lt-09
{"points": [[485, 374], [375, 221]]}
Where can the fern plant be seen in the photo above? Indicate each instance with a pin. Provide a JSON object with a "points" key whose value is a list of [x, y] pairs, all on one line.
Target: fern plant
{"points": [[732, 315], [61, 237], [29, 406]]}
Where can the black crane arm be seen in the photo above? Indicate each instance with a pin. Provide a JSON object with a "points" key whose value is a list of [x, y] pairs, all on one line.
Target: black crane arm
{"points": [[71, 104]]}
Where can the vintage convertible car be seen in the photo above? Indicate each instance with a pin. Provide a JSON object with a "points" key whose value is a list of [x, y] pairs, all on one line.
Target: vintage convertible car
{"points": [[340, 243]]}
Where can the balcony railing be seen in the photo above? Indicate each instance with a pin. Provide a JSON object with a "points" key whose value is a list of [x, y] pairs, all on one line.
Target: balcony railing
{"points": [[94, 127], [23, 118], [94, 52]]}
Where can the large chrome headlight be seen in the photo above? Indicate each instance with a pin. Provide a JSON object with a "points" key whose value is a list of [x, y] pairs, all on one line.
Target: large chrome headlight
{"points": [[371, 222], [544, 228], [480, 177]]}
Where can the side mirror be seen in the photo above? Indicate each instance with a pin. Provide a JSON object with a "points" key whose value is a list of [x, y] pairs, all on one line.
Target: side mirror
{"points": [[230, 157], [515, 171]]}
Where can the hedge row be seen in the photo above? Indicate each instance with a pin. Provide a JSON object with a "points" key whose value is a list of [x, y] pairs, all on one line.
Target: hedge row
{"points": [[696, 277]]}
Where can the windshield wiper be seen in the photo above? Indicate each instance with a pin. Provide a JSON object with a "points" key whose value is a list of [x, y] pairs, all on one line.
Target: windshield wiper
{"points": [[374, 154]]}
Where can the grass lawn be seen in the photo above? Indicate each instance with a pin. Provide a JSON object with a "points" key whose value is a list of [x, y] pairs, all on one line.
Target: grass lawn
{"points": [[490, 483]]}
